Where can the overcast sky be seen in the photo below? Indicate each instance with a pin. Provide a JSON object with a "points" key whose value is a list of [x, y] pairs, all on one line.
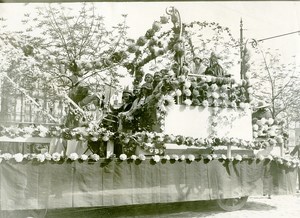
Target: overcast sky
{"points": [[261, 19]]}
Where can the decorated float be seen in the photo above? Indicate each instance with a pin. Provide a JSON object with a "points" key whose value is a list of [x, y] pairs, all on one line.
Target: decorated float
{"points": [[192, 138]]}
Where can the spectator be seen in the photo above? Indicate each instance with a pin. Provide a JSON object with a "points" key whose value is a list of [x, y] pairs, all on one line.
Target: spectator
{"points": [[157, 78], [214, 68], [197, 67], [262, 111]]}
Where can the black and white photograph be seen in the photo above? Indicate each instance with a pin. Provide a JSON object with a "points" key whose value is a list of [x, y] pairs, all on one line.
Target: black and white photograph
{"points": [[149, 109]]}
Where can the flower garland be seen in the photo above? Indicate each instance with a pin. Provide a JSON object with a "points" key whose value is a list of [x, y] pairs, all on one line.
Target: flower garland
{"points": [[154, 143], [151, 142], [214, 91], [290, 162], [92, 132]]}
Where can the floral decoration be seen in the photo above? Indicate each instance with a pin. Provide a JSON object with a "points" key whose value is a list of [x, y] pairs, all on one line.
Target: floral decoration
{"points": [[288, 161]]}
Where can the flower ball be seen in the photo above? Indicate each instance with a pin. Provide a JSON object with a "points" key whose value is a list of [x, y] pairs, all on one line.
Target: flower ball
{"points": [[270, 121], [164, 19], [156, 26], [213, 79], [263, 121], [272, 133], [255, 127], [141, 41], [255, 134]]}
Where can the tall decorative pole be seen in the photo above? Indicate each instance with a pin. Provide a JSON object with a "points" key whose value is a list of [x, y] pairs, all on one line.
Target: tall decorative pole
{"points": [[178, 43], [178, 46], [241, 49], [176, 19]]}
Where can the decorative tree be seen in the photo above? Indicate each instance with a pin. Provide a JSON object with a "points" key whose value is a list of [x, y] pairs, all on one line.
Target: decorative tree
{"points": [[60, 50]]}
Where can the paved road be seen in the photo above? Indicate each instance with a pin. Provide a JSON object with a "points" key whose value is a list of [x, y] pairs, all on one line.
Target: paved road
{"points": [[256, 207]]}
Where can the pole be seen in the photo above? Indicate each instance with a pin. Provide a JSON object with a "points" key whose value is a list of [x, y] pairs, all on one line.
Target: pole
{"points": [[241, 48]]}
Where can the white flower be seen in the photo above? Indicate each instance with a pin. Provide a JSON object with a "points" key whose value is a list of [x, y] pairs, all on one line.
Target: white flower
{"points": [[208, 79], [56, 156], [48, 156], [7, 156], [178, 92], [187, 102], [181, 78], [156, 158], [123, 157], [187, 84], [166, 103], [191, 157], [214, 87], [214, 156], [95, 157], [94, 139], [149, 145], [261, 157], [258, 122], [166, 157], [187, 92], [242, 105], [279, 139], [142, 157], [255, 135], [223, 156], [18, 157], [73, 156], [238, 157], [255, 127], [84, 157], [105, 138], [42, 134], [209, 157], [263, 121], [270, 121], [133, 157], [182, 157], [40, 157], [175, 157], [215, 95], [234, 140], [280, 161], [205, 103]]}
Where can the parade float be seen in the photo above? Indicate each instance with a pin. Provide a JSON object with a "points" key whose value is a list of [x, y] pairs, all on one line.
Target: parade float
{"points": [[193, 139]]}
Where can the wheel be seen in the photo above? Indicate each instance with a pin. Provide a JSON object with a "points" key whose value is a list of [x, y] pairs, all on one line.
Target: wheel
{"points": [[232, 204]]}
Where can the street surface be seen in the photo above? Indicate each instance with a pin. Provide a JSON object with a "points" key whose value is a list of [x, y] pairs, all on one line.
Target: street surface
{"points": [[256, 207]]}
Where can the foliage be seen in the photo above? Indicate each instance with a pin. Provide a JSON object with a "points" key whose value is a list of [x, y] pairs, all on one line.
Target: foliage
{"points": [[275, 82], [60, 49]]}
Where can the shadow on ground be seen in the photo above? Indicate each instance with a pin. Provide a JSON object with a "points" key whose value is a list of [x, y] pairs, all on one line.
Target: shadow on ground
{"points": [[186, 209]]}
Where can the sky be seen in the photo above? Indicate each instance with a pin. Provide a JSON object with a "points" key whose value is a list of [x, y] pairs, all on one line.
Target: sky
{"points": [[261, 19]]}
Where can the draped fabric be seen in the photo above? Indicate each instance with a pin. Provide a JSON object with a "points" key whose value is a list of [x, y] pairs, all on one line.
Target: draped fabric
{"points": [[30, 185]]}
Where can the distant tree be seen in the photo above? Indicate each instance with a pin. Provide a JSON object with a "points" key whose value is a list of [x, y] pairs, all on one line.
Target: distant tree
{"points": [[276, 82], [62, 47]]}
